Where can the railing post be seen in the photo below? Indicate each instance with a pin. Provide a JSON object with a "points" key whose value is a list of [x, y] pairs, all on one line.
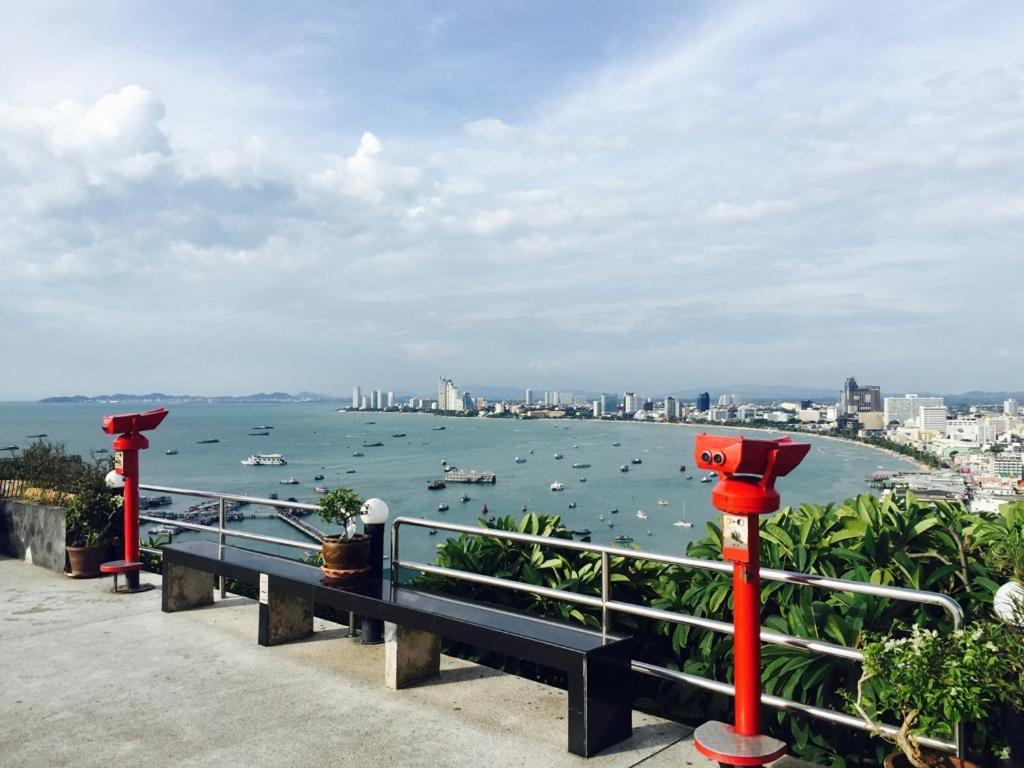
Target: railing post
{"points": [[223, 512], [606, 589]]}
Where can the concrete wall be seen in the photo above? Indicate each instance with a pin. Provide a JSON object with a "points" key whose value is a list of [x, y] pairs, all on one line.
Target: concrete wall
{"points": [[33, 533]]}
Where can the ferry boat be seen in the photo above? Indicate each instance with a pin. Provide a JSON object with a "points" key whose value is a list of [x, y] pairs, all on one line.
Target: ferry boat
{"points": [[436, 485], [557, 486], [264, 460], [624, 468], [520, 460], [289, 481], [580, 465]]}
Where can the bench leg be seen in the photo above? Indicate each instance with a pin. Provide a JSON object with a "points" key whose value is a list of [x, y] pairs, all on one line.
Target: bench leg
{"points": [[600, 705], [410, 655], [185, 588], [284, 618]]}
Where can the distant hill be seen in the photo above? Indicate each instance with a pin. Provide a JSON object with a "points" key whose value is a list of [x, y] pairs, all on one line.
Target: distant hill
{"points": [[160, 397], [975, 397], [768, 393]]}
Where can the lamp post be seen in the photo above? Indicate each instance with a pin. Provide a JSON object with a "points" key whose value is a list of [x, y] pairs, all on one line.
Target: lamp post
{"points": [[375, 519]]}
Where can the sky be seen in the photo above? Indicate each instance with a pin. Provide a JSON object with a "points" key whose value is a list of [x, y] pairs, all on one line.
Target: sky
{"points": [[239, 197]]}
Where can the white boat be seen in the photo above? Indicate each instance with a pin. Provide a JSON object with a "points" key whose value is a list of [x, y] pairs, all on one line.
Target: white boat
{"points": [[321, 488], [705, 479], [662, 502], [559, 456], [641, 514], [520, 460], [683, 524], [264, 460], [580, 465], [624, 468], [557, 486], [164, 530], [289, 481]]}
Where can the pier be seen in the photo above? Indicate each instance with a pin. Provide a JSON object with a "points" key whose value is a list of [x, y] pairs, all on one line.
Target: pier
{"points": [[472, 476], [301, 525]]}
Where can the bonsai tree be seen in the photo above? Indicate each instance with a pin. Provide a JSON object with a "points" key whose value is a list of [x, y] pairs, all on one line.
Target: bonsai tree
{"points": [[931, 680], [91, 518], [340, 507]]}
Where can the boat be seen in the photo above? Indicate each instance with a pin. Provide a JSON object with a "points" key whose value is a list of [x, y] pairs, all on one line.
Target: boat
{"points": [[433, 532], [170, 452], [399, 434], [442, 507], [705, 479], [321, 489], [582, 532], [520, 460], [102, 450], [636, 460], [614, 512], [258, 434], [436, 485], [689, 477], [439, 429], [641, 514], [662, 502], [600, 517], [559, 456], [207, 442], [371, 422], [580, 465], [464, 498], [683, 524], [165, 530], [377, 444], [572, 505], [616, 444], [624, 468], [557, 486], [583, 479], [318, 477], [622, 539], [357, 454], [40, 435], [264, 460], [262, 426], [611, 524], [289, 481], [350, 471], [682, 467], [711, 475], [272, 496]]}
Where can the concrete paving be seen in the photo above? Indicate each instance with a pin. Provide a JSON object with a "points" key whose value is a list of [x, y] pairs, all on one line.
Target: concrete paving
{"points": [[89, 678]]}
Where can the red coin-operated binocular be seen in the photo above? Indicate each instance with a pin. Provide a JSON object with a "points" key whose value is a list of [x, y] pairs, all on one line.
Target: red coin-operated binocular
{"points": [[129, 441], [747, 470]]}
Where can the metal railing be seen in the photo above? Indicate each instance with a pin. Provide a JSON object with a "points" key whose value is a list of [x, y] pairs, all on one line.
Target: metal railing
{"points": [[608, 606]]}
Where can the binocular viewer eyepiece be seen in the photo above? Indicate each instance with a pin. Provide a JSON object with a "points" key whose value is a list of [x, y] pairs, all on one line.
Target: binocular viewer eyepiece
{"points": [[747, 470], [133, 423]]}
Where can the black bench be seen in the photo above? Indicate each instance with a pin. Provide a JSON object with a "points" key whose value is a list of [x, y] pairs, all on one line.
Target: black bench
{"points": [[598, 669]]}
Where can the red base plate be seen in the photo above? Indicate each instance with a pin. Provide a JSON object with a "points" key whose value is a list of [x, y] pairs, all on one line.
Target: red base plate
{"points": [[120, 566], [719, 741]]}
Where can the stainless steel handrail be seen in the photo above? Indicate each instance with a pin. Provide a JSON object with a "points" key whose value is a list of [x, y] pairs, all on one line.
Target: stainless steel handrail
{"points": [[608, 606]]}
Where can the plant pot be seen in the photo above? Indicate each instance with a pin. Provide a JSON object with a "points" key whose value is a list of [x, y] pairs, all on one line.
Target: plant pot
{"points": [[932, 759], [351, 554], [84, 562]]}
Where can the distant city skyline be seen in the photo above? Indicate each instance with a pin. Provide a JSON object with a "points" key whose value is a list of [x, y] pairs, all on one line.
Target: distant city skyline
{"points": [[216, 199]]}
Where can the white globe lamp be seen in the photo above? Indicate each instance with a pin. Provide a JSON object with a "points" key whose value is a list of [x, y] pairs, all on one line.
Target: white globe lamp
{"points": [[114, 480], [375, 512], [1008, 603]]}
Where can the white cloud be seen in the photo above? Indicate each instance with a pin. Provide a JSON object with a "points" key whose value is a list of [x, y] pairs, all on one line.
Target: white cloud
{"points": [[365, 175]]}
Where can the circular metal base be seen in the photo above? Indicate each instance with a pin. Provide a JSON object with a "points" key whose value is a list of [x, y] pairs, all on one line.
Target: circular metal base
{"points": [[719, 741], [130, 590]]}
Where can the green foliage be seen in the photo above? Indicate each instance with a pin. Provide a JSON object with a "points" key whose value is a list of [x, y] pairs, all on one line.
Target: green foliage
{"points": [[929, 680], [92, 518], [48, 465], [936, 546], [339, 507]]}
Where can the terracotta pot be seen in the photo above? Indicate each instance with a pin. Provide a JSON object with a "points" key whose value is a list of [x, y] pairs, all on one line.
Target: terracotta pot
{"points": [[85, 562], [932, 759], [346, 554]]}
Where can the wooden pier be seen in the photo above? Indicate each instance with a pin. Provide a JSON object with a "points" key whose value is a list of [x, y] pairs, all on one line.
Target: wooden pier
{"points": [[301, 525]]}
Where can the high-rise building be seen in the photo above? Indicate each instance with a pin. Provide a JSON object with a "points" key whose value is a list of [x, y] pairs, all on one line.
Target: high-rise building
{"points": [[598, 411], [364, 403], [391, 400], [933, 419], [703, 401], [1010, 407], [725, 401], [671, 409], [529, 397], [629, 403], [903, 409], [357, 396], [854, 398], [448, 396], [609, 403]]}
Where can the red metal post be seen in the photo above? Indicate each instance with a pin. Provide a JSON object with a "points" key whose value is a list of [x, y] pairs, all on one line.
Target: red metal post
{"points": [[131, 505], [746, 584]]}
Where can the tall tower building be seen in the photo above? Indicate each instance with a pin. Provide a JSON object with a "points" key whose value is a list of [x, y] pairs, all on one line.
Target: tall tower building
{"points": [[378, 395], [391, 400], [703, 401], [671, 409], [1010, 407], [357, 396], [529, 397], [629, 403]]}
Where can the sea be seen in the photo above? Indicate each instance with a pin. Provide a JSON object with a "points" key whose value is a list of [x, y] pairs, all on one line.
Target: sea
{"points": [[663, 488]]}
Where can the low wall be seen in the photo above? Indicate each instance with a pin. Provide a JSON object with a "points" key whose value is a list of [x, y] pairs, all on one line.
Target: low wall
{"points": [[33, 533]]}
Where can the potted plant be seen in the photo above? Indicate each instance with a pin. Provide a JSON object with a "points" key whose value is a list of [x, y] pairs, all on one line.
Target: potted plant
{"points": [[348, 551], [90, 520], [931, 680], [1005, 558]]}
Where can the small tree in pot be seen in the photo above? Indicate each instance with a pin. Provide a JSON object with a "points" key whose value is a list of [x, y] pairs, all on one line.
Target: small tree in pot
{"points": [[91, 524], [348, 550]]}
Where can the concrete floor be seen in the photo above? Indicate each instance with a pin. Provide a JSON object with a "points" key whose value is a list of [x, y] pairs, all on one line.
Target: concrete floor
{"points": [[89, 678]]}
